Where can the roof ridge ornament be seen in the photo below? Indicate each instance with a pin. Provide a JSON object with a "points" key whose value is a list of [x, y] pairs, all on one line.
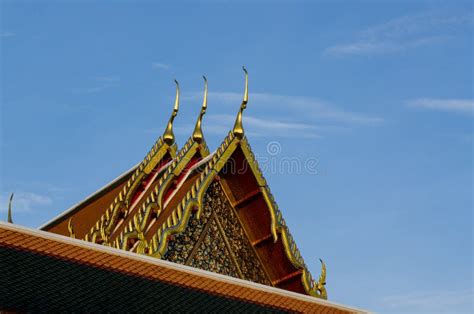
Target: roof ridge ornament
{"points": [[197, 134], [320, 286], [9, 219], [70, 229], [238, 127], [168, 136]]}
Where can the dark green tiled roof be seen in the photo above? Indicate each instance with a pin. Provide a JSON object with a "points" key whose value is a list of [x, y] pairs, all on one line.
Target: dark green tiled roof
{"points": [[31, 282]]}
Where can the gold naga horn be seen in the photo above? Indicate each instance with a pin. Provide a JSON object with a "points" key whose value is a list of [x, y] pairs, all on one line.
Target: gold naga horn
{"points": [[197, 134], [321, 285], [9, 219], [168, 136], [238, 127], [71, 229]]}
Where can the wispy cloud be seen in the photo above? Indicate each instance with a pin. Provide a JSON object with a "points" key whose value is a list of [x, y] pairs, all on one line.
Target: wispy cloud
{"points": [[430, 302], [402, 33], [158, 65], [24, 202], [5, 34], [280, 116], [220, 124], [453, 105], [379, 47], [304, 107]]}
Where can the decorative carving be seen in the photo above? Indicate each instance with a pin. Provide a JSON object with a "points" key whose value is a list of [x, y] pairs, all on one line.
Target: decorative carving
{"points": [[183, 245], [192, 208], [194, 199], [154, 202], [142, 246], [247, 260], [216, 241], [212, 254]]}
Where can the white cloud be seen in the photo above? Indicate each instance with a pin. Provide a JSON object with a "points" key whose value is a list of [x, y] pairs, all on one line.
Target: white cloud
{"points": [[24, 202], [401, 34], [158, 65], [452, 105], [430, 302]]}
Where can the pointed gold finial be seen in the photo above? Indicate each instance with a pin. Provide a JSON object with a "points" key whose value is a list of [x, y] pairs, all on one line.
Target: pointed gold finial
{"points": [[321, 285], [197, 134], [168, 136], [10, 220], [71, 229], [238, 127]]}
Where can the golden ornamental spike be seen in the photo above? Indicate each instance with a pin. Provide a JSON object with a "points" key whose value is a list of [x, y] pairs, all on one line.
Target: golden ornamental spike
{"points": [[9, 219], [321, 285], [197, 134], [168, 136], [238, 127], [71, 229]]}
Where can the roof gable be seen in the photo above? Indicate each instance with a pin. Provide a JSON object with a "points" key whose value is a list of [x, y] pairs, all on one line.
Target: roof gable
{"points": [[251, 197], [166, 193]]}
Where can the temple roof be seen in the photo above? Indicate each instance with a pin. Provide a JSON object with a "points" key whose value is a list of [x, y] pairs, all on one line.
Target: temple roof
{"points": [[148, 207]]}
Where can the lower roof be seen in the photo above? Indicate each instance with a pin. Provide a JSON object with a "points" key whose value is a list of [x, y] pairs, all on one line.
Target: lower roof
{"points": [[45, 271]]}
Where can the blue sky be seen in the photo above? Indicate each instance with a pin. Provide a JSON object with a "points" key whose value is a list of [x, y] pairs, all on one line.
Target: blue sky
{"points": [[378, 95]]}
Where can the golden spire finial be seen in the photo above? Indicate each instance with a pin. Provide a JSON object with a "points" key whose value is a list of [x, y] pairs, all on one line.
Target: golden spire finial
{"points": [[168, 136], [238, 128], [197, 134], [9, 219], [71, 229]]}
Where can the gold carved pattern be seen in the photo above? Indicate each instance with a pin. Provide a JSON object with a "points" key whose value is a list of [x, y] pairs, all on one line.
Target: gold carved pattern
{"points": [[216, 241], [154, 202], [212, 254], [183, 245], [247, 261], [178, 219], [110, 217]]}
